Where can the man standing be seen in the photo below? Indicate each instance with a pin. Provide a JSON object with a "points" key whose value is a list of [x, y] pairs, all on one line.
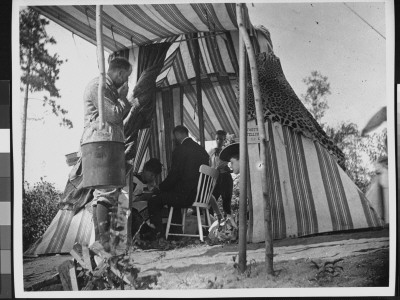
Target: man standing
{"points": [[180, 187], [224, 185], [116, 106]]}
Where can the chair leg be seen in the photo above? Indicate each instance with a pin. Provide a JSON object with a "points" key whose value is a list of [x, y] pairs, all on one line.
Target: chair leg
{"points": [[184, 211], [208, 218], [171, 210], [199, 224]]}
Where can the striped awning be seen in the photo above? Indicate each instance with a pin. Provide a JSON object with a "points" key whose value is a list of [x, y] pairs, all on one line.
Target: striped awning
{"points": [[128, 26]]}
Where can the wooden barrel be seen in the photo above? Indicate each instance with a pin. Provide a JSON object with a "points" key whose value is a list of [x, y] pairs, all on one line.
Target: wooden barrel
{"points": [[103, 164]]}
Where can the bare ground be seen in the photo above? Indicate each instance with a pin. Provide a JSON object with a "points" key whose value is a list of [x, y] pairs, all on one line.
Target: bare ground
{"points": [[363, 262]]}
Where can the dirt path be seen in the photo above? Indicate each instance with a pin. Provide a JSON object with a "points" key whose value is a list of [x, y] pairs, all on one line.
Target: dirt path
{"points": [[204, 266]]}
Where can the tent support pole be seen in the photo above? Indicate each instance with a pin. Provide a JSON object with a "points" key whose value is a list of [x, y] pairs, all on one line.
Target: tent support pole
{"points": [[100, 61], [196, 48], [263, 141], [243, 157]]}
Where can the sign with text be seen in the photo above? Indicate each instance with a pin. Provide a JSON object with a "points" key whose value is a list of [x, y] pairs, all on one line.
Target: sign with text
{"points": [[253, 137]]}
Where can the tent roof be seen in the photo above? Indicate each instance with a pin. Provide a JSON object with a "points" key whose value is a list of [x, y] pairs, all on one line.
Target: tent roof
{"points": [[126, 26]]}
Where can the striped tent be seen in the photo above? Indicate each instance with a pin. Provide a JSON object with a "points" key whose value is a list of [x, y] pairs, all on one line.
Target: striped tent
{"points": [[66, 229], [310, 192]]}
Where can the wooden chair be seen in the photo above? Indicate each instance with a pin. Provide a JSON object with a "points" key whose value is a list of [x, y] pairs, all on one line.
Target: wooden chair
{"points": [[207, 180]]}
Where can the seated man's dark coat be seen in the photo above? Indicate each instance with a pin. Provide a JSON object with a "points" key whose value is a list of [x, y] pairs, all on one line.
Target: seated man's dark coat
{"points": [[184, 173]]}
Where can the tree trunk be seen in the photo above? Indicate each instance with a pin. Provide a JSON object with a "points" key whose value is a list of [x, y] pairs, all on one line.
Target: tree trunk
{"points": [[263, 141]]}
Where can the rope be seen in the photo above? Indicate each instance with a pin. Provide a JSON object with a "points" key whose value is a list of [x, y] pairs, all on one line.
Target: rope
{"points": [[365, 21]]}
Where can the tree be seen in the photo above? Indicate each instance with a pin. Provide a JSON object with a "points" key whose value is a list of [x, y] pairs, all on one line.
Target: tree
{"points": [[361, 152], [39, 69], [315, 100]]}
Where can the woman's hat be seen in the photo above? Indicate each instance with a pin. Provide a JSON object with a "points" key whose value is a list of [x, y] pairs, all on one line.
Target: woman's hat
{"points": [[229, 151]]}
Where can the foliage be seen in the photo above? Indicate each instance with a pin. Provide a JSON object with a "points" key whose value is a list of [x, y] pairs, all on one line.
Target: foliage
{"points": [[39, 207], [39, 69], [327, 269], [360, 152], [314, 99]]}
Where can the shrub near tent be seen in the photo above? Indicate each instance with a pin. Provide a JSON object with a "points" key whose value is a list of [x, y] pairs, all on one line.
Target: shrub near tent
{"points": [[40, 205]]}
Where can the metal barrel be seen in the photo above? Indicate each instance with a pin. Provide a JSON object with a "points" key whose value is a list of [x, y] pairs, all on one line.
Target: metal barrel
{"points": [[103, 164]]}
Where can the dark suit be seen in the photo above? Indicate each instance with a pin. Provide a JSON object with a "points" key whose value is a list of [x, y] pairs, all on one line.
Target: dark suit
{"points": [[180, 187]]}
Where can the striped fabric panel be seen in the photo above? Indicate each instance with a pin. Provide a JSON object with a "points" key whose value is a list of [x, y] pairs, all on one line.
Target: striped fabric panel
{"points": [[84, 231], [190, 124], [216, 105], [277, 210], [174, 16], [81, 29], [116, 27], [372, 217], [337, 201], [208, 16], [190, 92], [306, 215], [142, 144], [141, 19], [231, 50], [154, 149], [60, 234]]}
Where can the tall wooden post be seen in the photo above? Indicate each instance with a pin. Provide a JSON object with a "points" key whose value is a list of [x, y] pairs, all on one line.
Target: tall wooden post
{"points": [[100, 61], [243, 157], [263, 141], [196, 49]]}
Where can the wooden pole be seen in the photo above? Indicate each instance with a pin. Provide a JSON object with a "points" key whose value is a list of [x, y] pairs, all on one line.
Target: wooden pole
{"points": [[196, 49], [243, 157], [129, 233], [100, 61], [263, 141], [250, 203]]}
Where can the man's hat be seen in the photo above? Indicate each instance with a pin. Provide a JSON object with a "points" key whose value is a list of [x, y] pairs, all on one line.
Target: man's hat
{"points": [[231, 150]]}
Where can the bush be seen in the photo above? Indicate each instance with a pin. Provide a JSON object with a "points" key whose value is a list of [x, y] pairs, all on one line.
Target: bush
{"points": [[39, 207]]}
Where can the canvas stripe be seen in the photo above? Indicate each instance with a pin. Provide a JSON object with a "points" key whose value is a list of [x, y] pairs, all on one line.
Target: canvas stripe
{"points": [[60, 233], [85, 227], [230, 46], [277, 210], [317, 186], [284, 176], [81, 29], [372, 217], [152, 13], [176, 103], [362, 214], [303, 198], [180, 71], [207, 55], [207, 15], [189, 123], [142, 144], [133, 16], [224, 53], [343, 202], [175, 17], [118, 30], [161, 130], [216, 105], [340, 218], [227, 108]]}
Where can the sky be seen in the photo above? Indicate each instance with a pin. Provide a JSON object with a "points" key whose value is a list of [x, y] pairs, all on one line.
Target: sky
{"points": [[327, 37]]}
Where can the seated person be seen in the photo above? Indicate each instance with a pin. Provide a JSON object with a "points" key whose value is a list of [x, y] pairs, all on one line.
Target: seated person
{"points": [[224, 185], [231, 154], [180, 187], [144, 185]]}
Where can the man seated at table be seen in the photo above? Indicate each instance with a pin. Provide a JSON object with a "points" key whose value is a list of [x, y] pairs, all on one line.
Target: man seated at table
{"points": [[180, 186], [144, 186]]}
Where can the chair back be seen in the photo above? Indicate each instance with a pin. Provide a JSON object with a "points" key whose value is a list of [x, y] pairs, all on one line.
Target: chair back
{"points": [[207, 180]]}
